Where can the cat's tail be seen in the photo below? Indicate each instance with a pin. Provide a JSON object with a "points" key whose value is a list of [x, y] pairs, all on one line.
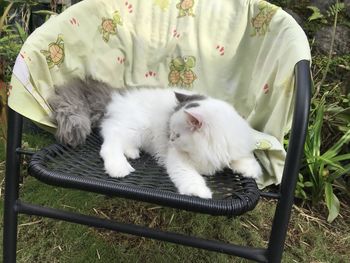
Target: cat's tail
{"points": [[71, 113]]}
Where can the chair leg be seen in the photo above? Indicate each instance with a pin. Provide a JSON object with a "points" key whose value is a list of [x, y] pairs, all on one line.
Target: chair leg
{"points": [[11, 186], [292, 164]]}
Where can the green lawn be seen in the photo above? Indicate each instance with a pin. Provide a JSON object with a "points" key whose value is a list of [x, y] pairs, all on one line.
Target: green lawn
{"points": [[310, 237]]}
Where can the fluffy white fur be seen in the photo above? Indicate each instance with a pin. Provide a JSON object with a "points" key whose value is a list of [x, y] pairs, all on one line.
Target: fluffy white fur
{"points": [[189, 140]]}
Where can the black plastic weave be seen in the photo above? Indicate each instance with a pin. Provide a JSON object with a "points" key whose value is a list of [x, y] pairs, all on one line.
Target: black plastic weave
{"points": [[82, 168]]}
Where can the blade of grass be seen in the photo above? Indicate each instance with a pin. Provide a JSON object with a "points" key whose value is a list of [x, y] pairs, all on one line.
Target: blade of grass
{"points": [[332, 203], [316, 140], [335, 149], [338, 173], [4, 16]]}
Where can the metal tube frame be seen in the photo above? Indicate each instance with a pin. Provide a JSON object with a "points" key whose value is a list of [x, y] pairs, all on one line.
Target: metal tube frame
{"points": [[273, 253], [12, 174], [293, 159]]}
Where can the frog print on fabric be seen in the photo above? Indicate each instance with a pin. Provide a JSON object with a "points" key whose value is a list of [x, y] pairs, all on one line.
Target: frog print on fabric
{"points": [[262, 20], [185, 8], [55, 53], [263, 144], [109, 26], [162, 4], [181, 71]]}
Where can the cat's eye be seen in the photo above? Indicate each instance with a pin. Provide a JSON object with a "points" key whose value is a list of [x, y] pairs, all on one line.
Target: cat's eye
{"points": [[177, 135]]}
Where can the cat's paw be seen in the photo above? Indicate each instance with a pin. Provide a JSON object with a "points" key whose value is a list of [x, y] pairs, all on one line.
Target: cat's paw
{"points": [[201, 191], [118, 169], [252, 172], [132, 153], [248, 167], [115, 163]]}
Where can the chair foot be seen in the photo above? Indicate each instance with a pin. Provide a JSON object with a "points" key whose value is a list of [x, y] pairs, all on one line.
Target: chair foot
{"points": [[10, 233]]}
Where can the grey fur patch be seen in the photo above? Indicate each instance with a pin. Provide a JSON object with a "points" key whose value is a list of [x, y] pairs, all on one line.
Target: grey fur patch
{"points": [[181, 98], [192, 105], [78, 106], [186, 100]]}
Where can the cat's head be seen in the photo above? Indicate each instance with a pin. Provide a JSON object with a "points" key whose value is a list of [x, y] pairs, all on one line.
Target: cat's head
{"points": [[209, 129], [187, 123]]}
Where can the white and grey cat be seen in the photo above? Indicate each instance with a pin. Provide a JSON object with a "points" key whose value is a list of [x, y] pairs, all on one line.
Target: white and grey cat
{"points": [[189, 134]]}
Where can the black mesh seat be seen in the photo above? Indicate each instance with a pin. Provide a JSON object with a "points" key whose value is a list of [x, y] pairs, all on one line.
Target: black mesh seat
{"points": [[266, 52], [82, 168]]}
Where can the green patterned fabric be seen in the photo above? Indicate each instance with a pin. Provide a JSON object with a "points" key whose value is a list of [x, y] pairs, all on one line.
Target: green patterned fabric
{"points": [[241, 51]]}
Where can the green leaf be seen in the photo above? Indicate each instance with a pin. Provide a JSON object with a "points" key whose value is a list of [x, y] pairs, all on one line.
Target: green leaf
{"points": [[300, 177], [334, 150], [22, 34], [316, 13], [338, 173], [45, 12], [330, 162], [332, 203], [343, 128], [308, 184], [342, 157], [4, 16], [316, 139], [335, 8], [300, 193]]}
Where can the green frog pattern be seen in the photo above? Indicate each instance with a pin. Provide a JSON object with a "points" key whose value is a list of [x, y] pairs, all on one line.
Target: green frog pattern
{"points": [[185, 8], [262, 20], [181, 72], [109, 26], [55, 53]]}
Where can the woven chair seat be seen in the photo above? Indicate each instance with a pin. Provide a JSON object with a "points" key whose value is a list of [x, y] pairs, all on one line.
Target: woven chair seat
{"points": [[82, 168]]}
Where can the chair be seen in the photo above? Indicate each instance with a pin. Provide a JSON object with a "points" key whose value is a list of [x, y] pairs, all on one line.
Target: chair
{"points": [[81, 168]]}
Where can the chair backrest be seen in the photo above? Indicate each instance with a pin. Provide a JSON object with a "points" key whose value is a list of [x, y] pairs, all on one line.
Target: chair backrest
{"points": [[242, 51]]}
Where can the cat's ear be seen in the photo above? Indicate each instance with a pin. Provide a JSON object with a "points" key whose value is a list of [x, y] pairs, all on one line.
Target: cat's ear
{"points": [[181, 97], [194, 119]]}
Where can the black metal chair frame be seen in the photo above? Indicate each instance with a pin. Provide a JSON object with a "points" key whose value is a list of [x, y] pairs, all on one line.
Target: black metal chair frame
{"points": [[273, 253]]}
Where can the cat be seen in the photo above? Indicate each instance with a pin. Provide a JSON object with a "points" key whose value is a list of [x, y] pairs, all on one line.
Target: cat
{"points": [[189, 134]]}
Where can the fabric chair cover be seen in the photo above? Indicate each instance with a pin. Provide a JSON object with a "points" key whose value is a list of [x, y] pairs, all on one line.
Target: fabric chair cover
{"points": [[241, 51]]}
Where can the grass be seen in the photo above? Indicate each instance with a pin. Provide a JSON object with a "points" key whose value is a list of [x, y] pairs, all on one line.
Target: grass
{"points": [[310, 237]]}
